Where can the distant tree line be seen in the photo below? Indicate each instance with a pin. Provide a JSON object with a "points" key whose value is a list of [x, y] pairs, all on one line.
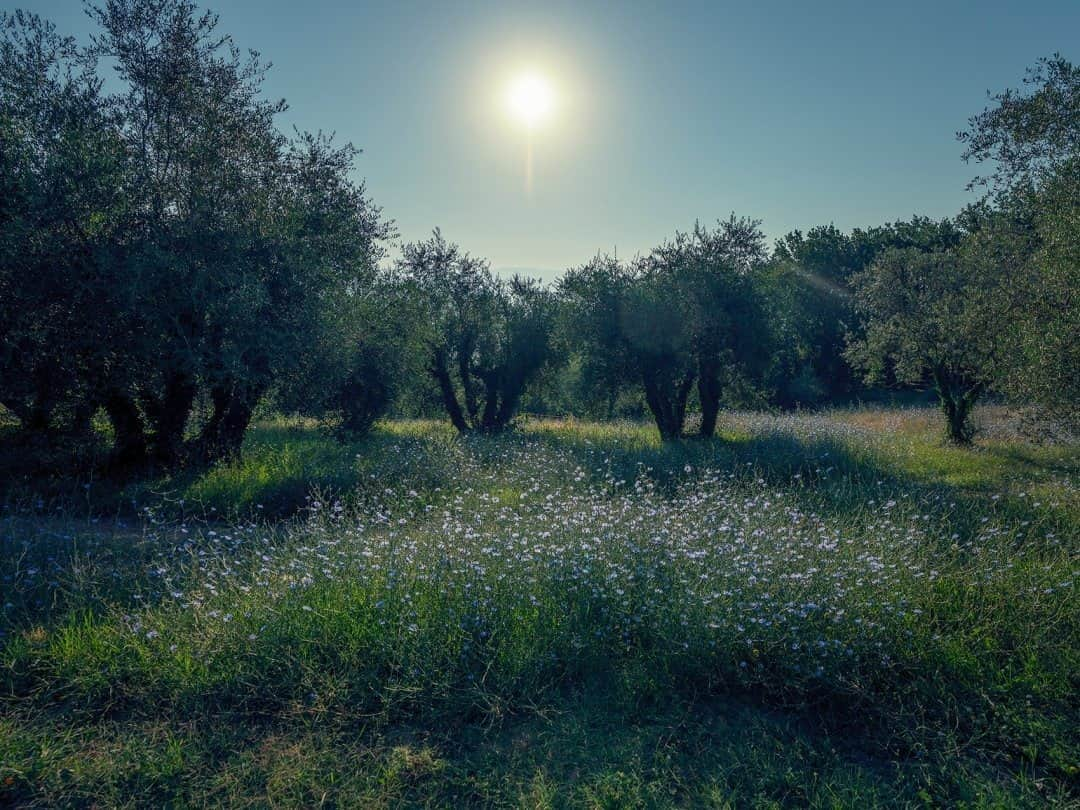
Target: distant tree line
{"points": [[170, 262]]}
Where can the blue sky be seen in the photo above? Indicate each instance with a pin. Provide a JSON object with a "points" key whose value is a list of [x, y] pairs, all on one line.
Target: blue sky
{"points": [[795, 113]]}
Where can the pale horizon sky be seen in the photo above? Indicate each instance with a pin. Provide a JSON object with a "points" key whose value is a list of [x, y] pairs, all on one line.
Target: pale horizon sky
{"points": [[797, 114]]}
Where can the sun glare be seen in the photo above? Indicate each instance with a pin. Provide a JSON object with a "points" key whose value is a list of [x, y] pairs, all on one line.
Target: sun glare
{"points": [[530, 99]]}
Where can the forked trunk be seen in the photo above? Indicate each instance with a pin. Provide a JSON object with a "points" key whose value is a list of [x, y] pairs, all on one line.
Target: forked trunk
{"points": [[441, 373], [958, 397], [129, 443], [171, 418], [668, 407], [709, 394], [223, 434]]}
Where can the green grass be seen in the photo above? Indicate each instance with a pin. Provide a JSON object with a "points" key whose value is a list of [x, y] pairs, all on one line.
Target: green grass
{"points": [[830, 610]]}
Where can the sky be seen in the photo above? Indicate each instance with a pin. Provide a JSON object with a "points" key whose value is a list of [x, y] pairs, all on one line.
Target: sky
{"points": [[664, 113]]}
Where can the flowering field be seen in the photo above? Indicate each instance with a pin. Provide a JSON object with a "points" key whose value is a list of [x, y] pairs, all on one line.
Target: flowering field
{"points": [[829, 610]]}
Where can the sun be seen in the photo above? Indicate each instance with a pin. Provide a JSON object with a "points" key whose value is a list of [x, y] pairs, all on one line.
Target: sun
{"points": [[530, 99]]}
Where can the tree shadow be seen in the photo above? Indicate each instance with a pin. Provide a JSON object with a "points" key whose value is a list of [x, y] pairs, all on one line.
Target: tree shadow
{"points": [[1035, 458], [828, 474]]}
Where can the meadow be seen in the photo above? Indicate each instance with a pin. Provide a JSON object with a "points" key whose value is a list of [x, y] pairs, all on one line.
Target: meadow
{"points": [[831, 609]]}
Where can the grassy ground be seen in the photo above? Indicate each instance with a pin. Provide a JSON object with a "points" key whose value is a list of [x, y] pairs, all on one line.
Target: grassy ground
{"points": [[828, 610]]}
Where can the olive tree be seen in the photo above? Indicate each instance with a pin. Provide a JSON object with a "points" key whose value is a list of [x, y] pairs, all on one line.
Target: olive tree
{"points": [[687, 313], [61, 215], [1031, 137], [592, 300], [634, 327], [169, 255], [711, 272], [486, 338], [925, 319]]}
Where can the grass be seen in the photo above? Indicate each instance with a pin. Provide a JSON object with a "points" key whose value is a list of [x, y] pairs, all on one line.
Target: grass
{"points": [[829, 610]]}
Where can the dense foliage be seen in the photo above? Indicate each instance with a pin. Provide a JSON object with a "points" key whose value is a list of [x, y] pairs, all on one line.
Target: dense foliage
{"points": [[483, 336], [169, 256], [170, 261], [1033, 141], [926, 321]]}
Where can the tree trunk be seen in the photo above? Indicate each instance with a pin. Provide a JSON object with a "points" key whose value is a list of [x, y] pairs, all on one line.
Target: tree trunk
{"points": [[958, 398], [656, 404], [508, 405], [129, 446], [489, 417], [441, 374], [38, 418], [465, 351], [682, 394], [956, 416], [709, 394], [223, 435], [171, 418], [235, 424], [668, 407]]}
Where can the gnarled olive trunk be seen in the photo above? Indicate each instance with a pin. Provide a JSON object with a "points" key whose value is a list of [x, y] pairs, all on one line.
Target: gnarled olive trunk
{"points": [[709, 394], [489, 417], [488, 407], [169, 415], [129, 436], [222, 436], [667, 404], [958, 394], [440, 371], [512, 391]]}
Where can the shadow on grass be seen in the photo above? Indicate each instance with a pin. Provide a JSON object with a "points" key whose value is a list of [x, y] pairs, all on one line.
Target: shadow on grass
{"points": [[834, 476], [1036, 458], [288, 464], [282, 465], [718, 752]]}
